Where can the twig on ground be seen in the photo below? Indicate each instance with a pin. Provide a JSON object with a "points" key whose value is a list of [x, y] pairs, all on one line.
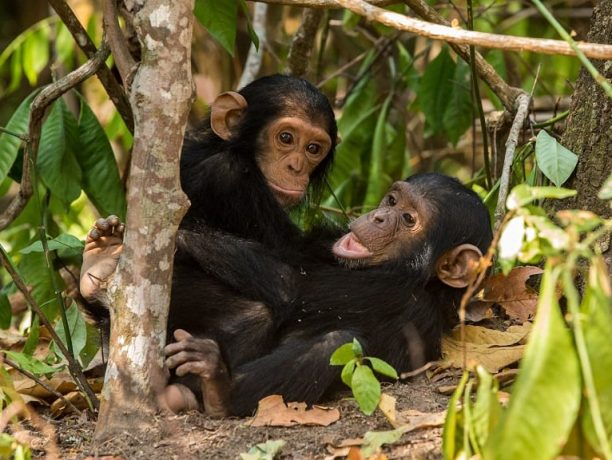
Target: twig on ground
{"points": [[48, 94], [522, 111], [47, 387], [73, 367], [302, 44], [253, 61], [108, 80]]}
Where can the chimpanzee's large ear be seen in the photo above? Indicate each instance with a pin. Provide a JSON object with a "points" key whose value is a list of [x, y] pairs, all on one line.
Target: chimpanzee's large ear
{"points": [[456, 266], [225, 113]]}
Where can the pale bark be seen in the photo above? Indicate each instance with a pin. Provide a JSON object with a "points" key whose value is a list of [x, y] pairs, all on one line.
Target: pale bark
{"points": [[161, 96]]}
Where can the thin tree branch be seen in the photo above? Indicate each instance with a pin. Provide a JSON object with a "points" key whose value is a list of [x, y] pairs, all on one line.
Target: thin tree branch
{"points": [[118, 44], [253, 61], [323, 3], [468, 37], [37, 111], [302, 44], [47, 387], [506, 93], [519, 119], [111, 85], [73, 367]]}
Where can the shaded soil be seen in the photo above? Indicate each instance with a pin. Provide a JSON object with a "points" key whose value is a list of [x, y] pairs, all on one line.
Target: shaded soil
{"points": [[196, 436]]}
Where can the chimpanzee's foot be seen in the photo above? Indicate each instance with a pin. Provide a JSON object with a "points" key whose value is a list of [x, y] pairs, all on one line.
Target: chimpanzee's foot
{"points": [[202, 357], [178, 398], [103, 246]]}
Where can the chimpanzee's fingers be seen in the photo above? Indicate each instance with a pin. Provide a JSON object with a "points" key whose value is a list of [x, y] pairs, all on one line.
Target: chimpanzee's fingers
{"points": [[200, 368], [181, 358], [181, 334]]}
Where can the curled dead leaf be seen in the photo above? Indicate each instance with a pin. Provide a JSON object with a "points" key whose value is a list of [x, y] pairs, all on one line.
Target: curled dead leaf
{"points": [[272, 411]]}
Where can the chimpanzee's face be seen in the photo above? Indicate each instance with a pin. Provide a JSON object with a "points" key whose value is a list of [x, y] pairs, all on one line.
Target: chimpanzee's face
{"points": [[397, 228], [291, 148]]}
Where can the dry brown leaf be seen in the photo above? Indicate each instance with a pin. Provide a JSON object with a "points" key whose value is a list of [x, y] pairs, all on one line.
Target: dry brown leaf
{"points": [[387, 407], [272, 411], [494, 350], [60, 407], [511, 293], [414, 420]]}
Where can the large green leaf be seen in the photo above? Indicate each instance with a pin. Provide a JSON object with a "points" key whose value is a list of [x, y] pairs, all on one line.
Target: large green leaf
{"points": [[555, 161], [342, 355], [219, 18], [459, 111], [101, 181], [61, 242], [597, 321], [436, 90], [523, 194], [78, 330], [33, 269], [377, 185], [9, 145], [383, 368], [546, 395], [36, 53], [31, 364], [366, 389], [57, 162], [450, 433]]}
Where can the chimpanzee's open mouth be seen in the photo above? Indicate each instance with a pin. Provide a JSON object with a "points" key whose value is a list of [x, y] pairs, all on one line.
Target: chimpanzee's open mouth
{"points": [[349, 247]]}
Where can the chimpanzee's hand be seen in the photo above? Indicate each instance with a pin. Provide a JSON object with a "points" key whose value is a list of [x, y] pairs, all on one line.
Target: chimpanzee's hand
{"points": [[103, 246], [191, 355]]}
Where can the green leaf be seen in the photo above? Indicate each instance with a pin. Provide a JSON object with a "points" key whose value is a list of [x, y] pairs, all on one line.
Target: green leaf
{"points": [[366, 389], [383, 368], [596, 312], [449, 433], [64, 44], [101, 181], [606, 190], [546, 395], [357, 349], [63, 241], [459, 111], [264, 451], [555, 161], [5, 311], [487, 409], [374, 440], [347, 372], [78, 330], [252, 35], [342, 355], [57, 163], [31, 364], [35, 53], [523, 194], [436, 90], [377, 186], [9, 145], [33, 269], [219, 18], [16, 71]]}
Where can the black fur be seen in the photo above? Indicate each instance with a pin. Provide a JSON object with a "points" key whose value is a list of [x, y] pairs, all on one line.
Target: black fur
{"points": [[398, 311]]}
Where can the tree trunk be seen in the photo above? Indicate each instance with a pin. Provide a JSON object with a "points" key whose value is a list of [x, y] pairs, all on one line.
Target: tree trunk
{"points": [[589, 128], [161, 96]]}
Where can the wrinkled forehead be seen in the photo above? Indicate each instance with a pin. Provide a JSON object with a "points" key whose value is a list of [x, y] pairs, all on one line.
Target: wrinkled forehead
{"points": [[416, 197]]}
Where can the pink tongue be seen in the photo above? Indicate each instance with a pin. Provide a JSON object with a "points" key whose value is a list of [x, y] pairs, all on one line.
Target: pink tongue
{"points": [[349, 247]]}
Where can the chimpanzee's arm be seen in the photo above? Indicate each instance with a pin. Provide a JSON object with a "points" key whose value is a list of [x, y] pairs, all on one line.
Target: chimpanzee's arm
{"points": [[246, 266], [298, 370]]}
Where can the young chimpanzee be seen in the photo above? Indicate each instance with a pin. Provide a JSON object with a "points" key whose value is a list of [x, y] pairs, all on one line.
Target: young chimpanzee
{"points": [[404, 269], [257, 154]]}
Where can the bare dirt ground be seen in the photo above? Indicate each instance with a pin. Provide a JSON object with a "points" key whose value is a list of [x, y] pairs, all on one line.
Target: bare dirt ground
{"points": [[196, 436]]}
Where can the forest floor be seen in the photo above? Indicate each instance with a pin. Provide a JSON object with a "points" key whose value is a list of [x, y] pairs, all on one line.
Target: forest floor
{"points": [[196, 436]]}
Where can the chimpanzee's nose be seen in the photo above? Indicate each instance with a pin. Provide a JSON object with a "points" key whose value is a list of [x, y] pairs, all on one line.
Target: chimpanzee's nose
{"points": [[380, 216]]}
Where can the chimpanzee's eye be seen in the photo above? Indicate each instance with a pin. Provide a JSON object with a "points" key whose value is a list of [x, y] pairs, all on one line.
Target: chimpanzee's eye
{"points": [[409, 219], [313, 149], [391, 200], [285, 137]]}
